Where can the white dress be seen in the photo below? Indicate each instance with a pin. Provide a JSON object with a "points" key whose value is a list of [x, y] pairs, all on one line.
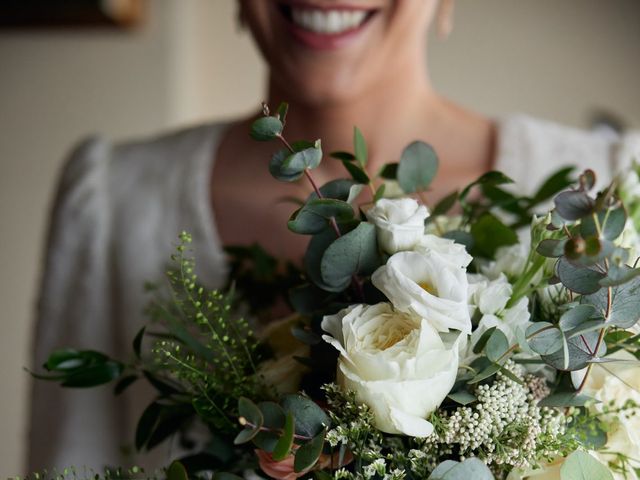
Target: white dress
{"points": [[118, 211]]}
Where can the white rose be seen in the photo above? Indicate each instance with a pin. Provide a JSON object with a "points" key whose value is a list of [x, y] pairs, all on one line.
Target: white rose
{"points": [[426, 285], [510, 260], [613, 384], [396, 363], [399, 223], [630, 239], [454, 253]]}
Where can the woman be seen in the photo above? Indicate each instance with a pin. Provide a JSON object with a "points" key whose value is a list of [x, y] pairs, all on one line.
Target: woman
{"points": [[338, 63]]}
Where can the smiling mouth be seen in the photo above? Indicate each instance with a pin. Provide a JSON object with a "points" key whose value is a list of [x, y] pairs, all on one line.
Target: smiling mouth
{"points": [[328, 22]]}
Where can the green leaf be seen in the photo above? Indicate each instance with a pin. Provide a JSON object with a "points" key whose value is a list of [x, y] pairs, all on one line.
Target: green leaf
{"points": [[285, 442], [124, 383], [307, 455], [489, 234], [565, 399], [575, 316], [316, 214], [176, 471], [611, 222], [283, 108], [250, 411], [551, 248], [489, 371], [307, 158], [418, 167], [462, 397], [445, 204], [482, 341], [471, 468], [359, 147], [274, 419], [344, 156], [146, 424], [266, 128], [245, 435], [544, 340], [625, 303], [310, 418], [497, 345], [490, 178], [582, 466], [351, 254], [137, 342], [580, 351], [582, 280], [94, 375], [314, 254], [379, 193], [339, 189], [357, 173], [389, 171], [277, 170], [573, 205], [554, 184], [619, 275]]}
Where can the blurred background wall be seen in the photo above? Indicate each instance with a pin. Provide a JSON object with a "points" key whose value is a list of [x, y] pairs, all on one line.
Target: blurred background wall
{"points": [[188, 62]]}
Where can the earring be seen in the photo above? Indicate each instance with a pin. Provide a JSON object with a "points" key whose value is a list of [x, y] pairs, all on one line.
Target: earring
{"points": [[445, 19]]}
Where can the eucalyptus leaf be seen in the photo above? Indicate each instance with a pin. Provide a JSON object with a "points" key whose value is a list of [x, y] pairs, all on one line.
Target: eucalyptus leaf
{"points": [[308, 454], [277, 170], [611, 223], [580, 350], [497, 345], [266, 128], [582, 466], [338, 189], [575, 316], [313, 256], [462, 397], [355, 253], [250, 411], [176, 471], [316, 214], [565, 399], [418, 167], [389, 171], [285, 442], [357, 173], [543, 339], [307, 158], [625, 304], [582, 280], [471, 468], [573, 205], [310, 419]]}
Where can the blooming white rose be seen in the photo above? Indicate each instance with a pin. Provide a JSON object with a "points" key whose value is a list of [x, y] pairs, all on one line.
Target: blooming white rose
{"points": [[613, 384], [426, 285], [447, 249], [396, 363], [399, 223]]}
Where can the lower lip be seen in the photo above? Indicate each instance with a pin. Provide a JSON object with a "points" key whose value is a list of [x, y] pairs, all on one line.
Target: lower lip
{"points": [[326, 41]]}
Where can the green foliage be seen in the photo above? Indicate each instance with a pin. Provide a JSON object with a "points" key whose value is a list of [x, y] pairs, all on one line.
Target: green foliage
{"points": [[265, 129], [81, 368], [489, 234], [316, 215], [418, 167], [465, 470], [582, 466]]}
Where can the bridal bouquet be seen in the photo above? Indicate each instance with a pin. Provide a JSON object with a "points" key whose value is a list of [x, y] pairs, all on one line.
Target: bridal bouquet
{"points": [[469, 339]]}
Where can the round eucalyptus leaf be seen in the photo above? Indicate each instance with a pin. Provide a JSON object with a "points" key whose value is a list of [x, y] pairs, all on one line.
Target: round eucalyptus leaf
{"points": [[582, 466], [310, 419], [575, 316], [309, 157], [316, 214], [309, 453], [625, 303], [418, 167], [611, 223], [471, 468], [551, 248], [355, 253], [276, 167], [573, 205], [266, 128], [338, 189], [577, 355], [497, 345], [543, 339], [582, 280]]}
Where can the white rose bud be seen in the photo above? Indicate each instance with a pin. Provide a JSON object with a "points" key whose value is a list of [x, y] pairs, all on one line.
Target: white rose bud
{"points": [[399, 223], [396, 363], [426, 285]]}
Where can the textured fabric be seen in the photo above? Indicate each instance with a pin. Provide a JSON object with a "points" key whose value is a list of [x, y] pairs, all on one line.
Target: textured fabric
{"points": [[117, 211]]}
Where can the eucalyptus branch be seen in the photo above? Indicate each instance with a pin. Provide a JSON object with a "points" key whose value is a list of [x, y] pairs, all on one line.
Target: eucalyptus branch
{"points": [[246, 423]]}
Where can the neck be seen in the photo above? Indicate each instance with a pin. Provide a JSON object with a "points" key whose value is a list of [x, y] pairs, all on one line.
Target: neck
{"points": [[390, 114]]}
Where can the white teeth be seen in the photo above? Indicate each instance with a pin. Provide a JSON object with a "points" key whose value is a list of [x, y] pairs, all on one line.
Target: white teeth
{"points": [[328, 21]]}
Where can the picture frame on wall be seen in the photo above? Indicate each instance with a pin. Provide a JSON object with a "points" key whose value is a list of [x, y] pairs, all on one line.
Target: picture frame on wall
{"points": [[33, 14]]}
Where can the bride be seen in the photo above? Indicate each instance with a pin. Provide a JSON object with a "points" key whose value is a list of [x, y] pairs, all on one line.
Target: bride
{"points": [[338, 63]]}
